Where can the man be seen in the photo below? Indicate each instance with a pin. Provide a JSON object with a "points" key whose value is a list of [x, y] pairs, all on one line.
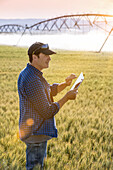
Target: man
{"points": [[37, 109]]}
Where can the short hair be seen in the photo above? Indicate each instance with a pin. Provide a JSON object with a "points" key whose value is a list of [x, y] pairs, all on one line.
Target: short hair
{"points": [[31, 58]]}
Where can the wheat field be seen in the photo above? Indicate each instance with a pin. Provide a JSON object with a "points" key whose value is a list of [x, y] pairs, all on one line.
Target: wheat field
{"points": [[85, 126]]}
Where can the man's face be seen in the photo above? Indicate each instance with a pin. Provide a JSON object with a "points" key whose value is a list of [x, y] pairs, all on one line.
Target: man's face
{"points": [[43, 61]]}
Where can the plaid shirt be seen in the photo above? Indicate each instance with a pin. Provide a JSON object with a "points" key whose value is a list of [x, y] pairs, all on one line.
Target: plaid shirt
{"points": [[37, 110]]}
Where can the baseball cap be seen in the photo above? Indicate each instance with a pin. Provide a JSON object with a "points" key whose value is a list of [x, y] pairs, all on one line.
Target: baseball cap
{"points": [[39, 47]]}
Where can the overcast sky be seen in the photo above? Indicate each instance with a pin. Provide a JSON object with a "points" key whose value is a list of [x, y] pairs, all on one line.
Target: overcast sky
{"points": [[52, 8]]}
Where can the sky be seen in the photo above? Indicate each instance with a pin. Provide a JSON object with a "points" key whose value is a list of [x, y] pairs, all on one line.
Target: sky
{"points": [[13, 9]]}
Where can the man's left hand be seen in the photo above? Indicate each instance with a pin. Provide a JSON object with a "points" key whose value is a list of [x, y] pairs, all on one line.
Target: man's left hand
{"points": [[69, 79]]}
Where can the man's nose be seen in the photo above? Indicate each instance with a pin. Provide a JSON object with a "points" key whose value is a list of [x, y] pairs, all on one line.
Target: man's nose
{"points": [[49, 57]]}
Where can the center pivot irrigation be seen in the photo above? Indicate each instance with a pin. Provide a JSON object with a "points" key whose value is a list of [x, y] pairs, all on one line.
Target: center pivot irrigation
{"points": [[78, 24]]}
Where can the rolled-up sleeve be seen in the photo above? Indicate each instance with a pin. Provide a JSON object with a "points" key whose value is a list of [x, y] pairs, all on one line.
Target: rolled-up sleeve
{"points": [[54, 89], [37, 96]]}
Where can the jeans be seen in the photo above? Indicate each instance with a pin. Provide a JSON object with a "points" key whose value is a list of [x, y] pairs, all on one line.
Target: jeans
{"points": [[35, 154]]}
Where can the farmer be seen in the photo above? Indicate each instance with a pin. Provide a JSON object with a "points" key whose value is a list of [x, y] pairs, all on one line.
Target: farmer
{"points": [[37, 108]]}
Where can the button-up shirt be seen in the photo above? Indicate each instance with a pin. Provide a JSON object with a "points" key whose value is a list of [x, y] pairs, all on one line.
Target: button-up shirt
{"points": [[37, 110]]}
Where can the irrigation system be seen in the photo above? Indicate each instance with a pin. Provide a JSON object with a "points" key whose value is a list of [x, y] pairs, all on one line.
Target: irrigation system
{"points": [[78, 24]]}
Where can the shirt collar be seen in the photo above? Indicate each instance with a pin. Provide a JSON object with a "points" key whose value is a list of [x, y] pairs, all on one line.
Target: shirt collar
{"points": [[35, 70]]}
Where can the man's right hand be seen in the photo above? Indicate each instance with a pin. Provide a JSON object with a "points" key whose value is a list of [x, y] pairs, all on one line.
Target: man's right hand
{"points": [[71, 95]]}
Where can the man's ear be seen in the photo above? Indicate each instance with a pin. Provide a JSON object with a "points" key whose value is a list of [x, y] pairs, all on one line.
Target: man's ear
{"points": [[34, 57]]}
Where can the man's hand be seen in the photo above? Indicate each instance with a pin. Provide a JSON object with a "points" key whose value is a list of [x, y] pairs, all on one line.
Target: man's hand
{"points": [[69, 79], [71, 95], [67, 82]]}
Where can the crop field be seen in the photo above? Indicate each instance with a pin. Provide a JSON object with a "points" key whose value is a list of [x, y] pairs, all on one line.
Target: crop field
{"points": [[85, 126]]}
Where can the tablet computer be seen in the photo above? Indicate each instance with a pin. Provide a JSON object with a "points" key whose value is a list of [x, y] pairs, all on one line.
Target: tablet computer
{"points": [[78, 81]]}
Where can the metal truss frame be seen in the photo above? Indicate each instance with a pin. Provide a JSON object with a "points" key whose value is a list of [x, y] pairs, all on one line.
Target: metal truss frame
{"points": [[78, 23]]}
